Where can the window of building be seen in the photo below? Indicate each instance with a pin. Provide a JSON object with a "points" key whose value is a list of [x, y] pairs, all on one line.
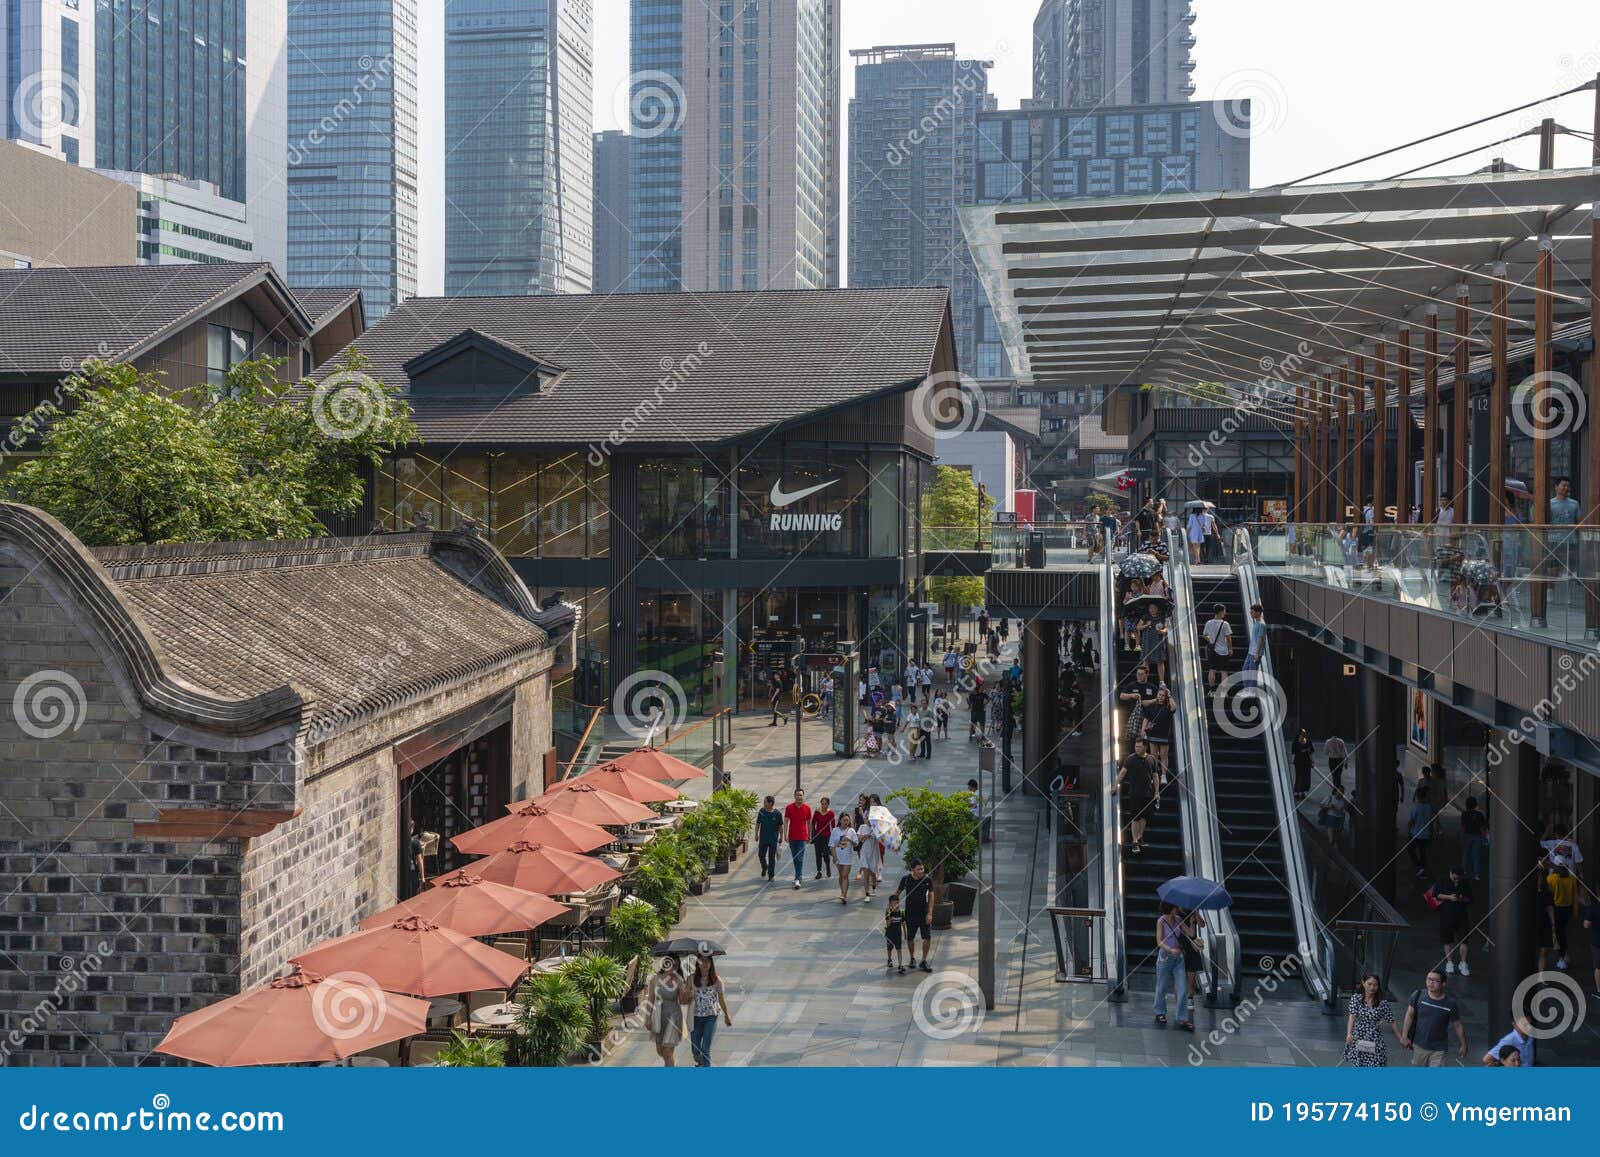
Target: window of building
{"points": [[225, 348]]}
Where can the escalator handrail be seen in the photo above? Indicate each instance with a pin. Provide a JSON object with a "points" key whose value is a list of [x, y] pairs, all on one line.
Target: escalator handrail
{"points": [[1113, 926], [1202, 839], [1313, 938]]}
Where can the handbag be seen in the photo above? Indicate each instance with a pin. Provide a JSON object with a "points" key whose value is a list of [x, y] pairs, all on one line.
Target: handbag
{"points": [[1366, 1047], [1431, 897]]}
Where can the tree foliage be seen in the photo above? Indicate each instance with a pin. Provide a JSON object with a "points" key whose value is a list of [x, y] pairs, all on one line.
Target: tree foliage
{"points": [[953, 500], [940, 831], [126, 460]]}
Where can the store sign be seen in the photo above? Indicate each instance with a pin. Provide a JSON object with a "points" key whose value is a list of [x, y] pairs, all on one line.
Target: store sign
{"points": [[783, 520]]}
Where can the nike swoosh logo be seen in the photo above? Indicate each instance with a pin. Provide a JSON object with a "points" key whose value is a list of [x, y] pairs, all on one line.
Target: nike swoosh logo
{"points": [[780, 498]]}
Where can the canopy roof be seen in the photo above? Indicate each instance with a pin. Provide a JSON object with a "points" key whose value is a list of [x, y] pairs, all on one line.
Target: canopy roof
{"points": [[1278, 284]]}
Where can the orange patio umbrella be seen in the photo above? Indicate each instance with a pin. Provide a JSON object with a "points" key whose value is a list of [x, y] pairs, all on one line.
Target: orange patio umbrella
{"points": [[295, 1019], [418, 956], [474, 906], [536, 868], [620, 781], [535, 823], [653, 763], [595, 805]]}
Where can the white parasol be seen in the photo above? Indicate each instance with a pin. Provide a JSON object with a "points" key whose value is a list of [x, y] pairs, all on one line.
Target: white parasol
{"points": [[885, 827]]}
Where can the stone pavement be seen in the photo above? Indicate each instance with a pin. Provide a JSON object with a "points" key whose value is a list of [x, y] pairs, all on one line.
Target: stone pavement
{"points": [[805, 976]]}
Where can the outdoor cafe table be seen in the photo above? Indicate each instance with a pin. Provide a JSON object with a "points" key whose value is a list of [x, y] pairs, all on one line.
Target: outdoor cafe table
{"points": [[443, 1006], [356, 1062], [682, 805], [496, 1015]]}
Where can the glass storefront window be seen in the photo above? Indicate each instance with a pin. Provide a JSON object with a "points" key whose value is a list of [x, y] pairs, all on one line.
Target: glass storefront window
{"points": [[416, 491], [819, 503], [514, 515], [563, 507], [466, 490]]}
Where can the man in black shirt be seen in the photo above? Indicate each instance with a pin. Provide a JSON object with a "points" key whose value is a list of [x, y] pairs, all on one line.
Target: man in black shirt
{"points": [[1430, 1015], [916, 897], [1454, 897]]}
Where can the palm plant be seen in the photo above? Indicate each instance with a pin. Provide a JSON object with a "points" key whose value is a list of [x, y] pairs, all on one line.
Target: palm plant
{"points": [[552, 1020], [600, 980], [472, 1052], [658, 883], [631, 929]]}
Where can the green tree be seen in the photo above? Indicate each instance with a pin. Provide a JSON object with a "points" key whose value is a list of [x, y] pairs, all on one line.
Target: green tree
{"points": [[955, 501], [939, 831], [552, 1020], [127, 460]]}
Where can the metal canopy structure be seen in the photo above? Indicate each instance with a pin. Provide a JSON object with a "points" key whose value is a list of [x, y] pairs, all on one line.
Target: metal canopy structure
{"points": [[1280, 285]]}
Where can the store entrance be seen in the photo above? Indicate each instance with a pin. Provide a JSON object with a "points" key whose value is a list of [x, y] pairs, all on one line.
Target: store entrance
{"points": [[448, 795]]}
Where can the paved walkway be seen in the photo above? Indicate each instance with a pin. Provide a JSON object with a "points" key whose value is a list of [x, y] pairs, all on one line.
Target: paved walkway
{"points": [[806, 981]]}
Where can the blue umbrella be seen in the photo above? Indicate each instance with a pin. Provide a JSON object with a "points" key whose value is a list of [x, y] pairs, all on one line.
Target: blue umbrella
{"points": [[1194, 893]]}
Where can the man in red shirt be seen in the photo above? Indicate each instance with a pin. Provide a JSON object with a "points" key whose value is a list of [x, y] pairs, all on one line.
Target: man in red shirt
{"points": [[797, 821]]}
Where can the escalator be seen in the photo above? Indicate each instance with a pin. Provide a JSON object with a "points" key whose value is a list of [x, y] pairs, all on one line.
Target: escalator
{"points": [[1256, 873], [1162, 858]]}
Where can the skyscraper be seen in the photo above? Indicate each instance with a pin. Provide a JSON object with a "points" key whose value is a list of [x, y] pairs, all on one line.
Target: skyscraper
{"points": [[913, 154], [611, 211], [47, 77], [655, 126], [199, 89], [518, 146], [353, 148], [760, 144], [1112, 52]]}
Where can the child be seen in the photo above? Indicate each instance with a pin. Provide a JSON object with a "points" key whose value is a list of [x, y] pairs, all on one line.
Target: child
{"points": [[941, 715], [894, 921]]}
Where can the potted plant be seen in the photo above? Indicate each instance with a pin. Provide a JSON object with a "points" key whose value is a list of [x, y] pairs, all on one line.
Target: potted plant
{"points": [[631, 929], [700, 838], [552, 1020], [657, 881], [939, 831], [601, 981], [472, 1052]]}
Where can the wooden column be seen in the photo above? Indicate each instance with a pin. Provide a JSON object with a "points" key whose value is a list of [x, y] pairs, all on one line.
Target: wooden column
{"points": [[1324, 512], [1402, 431], [1459, 405], [1543, 317], [1498, 391], [1341, 468], [1428, 500], [1380, 438], [1361, 488], [1591, 474], [1297, 507]]}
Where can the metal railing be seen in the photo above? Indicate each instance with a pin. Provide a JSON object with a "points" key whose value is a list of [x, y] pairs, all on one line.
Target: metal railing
{"points": [[1314, 940], [590, 742], [1079, 939], [958, 537], [1202, 838], [1112, 923], [1366, 927]]}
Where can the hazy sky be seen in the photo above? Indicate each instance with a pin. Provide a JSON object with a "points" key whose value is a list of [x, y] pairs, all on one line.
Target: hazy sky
{"points": [[1330, 80]]}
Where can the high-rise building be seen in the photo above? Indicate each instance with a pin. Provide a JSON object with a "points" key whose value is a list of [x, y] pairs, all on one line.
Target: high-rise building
{"points": [[655, 126], [47, 77], [198, 89], [1090, 53], [760, 144], [353, 148], [612, 211], [518, 146], [913, 159]]}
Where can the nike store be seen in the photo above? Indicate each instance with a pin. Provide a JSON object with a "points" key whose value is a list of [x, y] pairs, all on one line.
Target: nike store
{"points": [[712, 561]]}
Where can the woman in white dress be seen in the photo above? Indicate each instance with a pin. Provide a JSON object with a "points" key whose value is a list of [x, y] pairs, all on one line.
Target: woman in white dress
{"points": [[869, 855], [843, 843]]}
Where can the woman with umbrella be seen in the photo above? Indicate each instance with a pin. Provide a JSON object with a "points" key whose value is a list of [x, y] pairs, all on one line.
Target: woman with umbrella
{"points": [[709, 998], [665, 1002]]}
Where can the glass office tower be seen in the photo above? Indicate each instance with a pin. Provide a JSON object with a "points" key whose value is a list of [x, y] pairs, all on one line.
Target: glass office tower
{"points": [[353, 148], [518, 146], [655, 125]]}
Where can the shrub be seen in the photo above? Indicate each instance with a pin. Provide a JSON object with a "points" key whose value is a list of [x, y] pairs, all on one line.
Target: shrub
{"points": [[633, 928], [472, 1052], [601, 980], [552, 1020], [939, 831]]}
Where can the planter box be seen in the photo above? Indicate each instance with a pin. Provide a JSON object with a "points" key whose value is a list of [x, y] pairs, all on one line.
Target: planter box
{"points": [[943, 911], [697, 887], [963, 896], [719, 867]]}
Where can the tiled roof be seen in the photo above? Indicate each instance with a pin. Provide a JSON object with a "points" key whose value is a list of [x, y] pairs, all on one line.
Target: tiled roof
{"points": [[319, 303], [246, 637], [53, 318], [676, 367]]}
